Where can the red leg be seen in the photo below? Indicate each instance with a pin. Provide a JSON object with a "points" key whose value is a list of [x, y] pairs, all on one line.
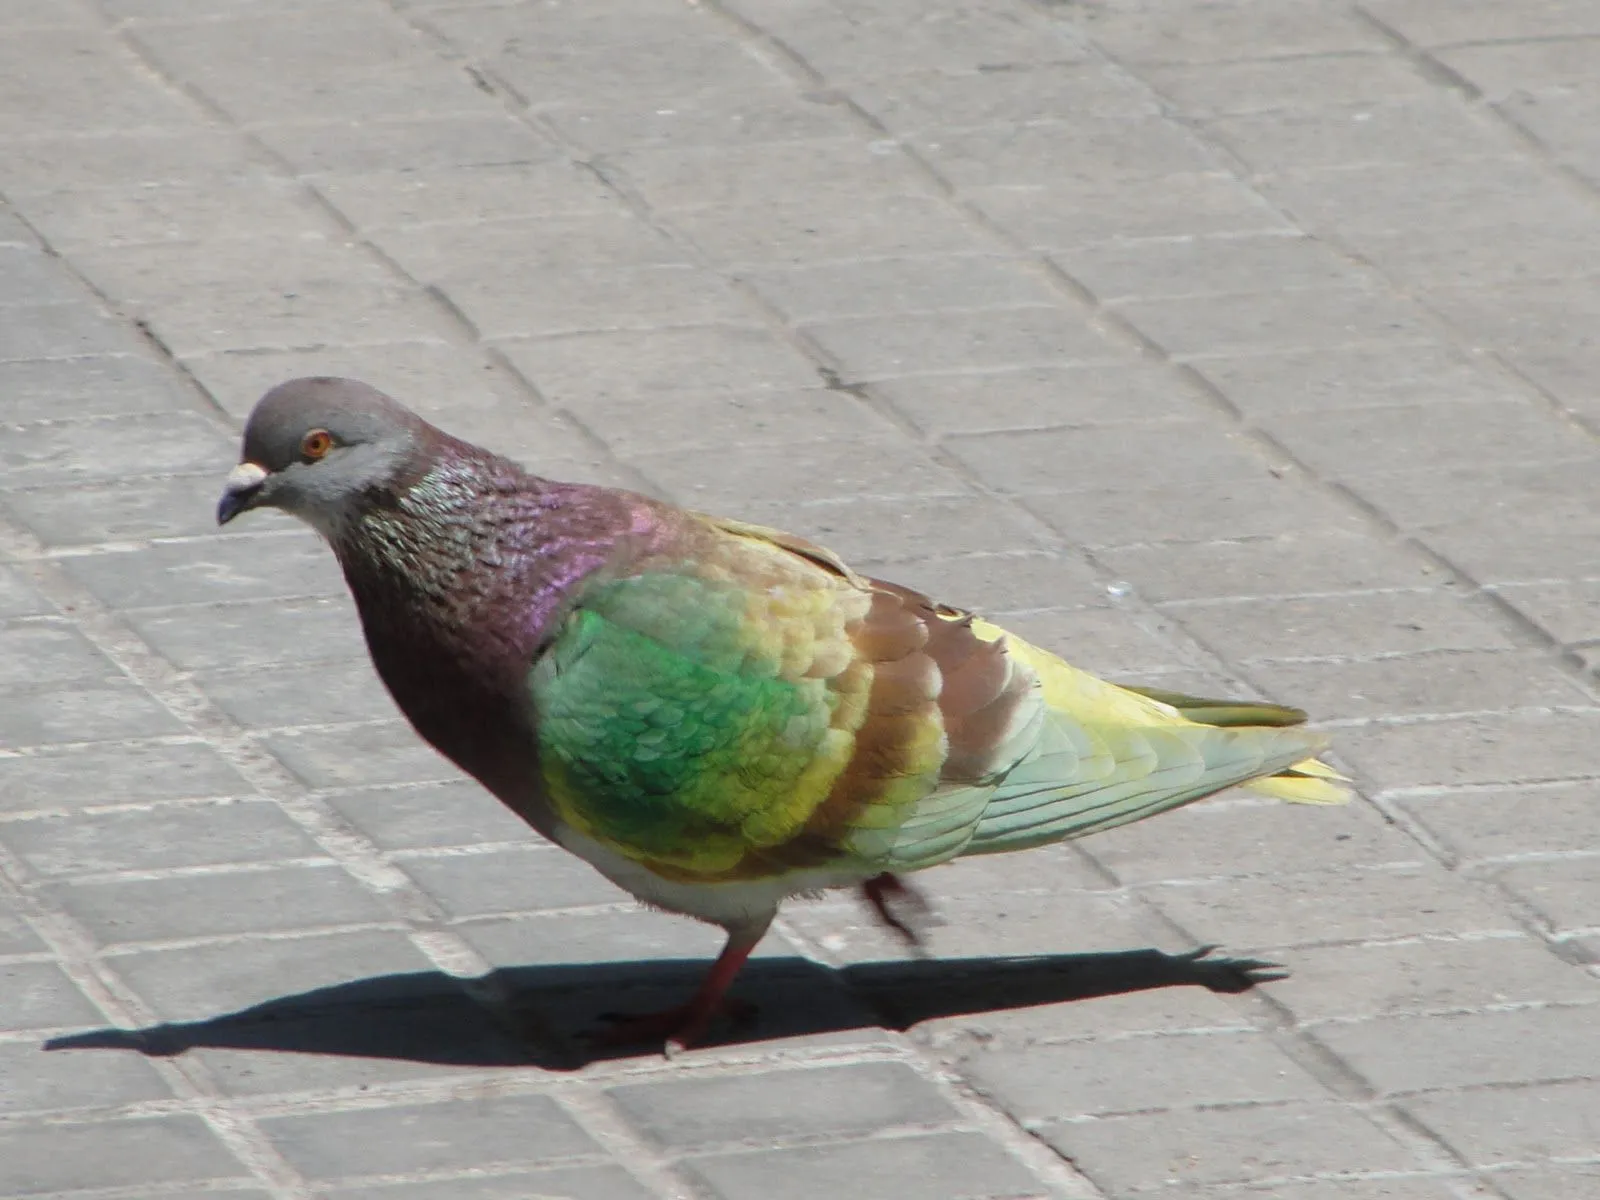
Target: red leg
{"points": [[686, 1024]]}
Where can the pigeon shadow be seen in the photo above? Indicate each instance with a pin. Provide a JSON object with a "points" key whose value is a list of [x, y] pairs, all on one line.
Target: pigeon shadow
{"points": [[544, 1015]]}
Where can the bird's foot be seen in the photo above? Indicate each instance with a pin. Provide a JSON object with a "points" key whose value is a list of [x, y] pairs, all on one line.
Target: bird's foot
{"points": [[678, 1028], [902, 908]]}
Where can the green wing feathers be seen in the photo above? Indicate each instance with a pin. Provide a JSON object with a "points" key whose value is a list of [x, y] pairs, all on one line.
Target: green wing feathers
{"points": [[746, 707]]}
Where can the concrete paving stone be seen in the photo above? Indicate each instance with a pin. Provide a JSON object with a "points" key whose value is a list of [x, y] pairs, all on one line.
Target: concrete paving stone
{"points": [[603, 298], [918, 103], [1511, 253], [772, 112], [46, 648], [1208, 266], [1078, 1079], [1033, 335], [589, 1183], [485, 251], [40, 1082], [1525, 1045], [1041, 153], [808, 229], [627, 364], [876, 286], [1187, 1150], [795, 474], [88, 158], [1267, 322], [104, 386], [1253, 914], [358, 756], [1311, 561], [523, 878], [241, 567], [1562, 893], [1467, 196], [850, 43], [19, 598], [1451, 682], [16, 937], [278, 67], [40, 995], [1504, 748], [541, 72], [938, 1166], [46, 14], [1492, 495], [454, 813], [420, 142], [1350, 626], [1427, 975], [63, 331], [999, 582], [14, 235], [1037, 397], [1252, 506], [433, 377], [1507, 822], [1229, 30], [1245, 838], [1555, 545], [474, 1131], [1566, 1182], [121, 912], [174, 212], [1211, 89], [1426, 24], [112, 448], [1328, 381], [1046, 869], [1093, 457], [1385, 1187], [864, 527], [89, 776], [679, 177], [1568, 612], [400, 198], [253, 633], [860, 1098], [1104, 641], [28, 277], [42, 1157], [159, 837], [324, 693], [197, 983], [295, 308], [102, 710], [1433, 128], [1505, 70], [130, 509], [1488, 1126], [108, 89], [684, 420], [1078, 212]]}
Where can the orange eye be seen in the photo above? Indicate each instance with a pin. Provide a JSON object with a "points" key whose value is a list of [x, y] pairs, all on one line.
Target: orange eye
{"points": [[316, 444]]}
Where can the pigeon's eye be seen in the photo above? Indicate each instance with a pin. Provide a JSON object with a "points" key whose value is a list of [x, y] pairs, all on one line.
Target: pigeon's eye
{"points": [[316, 444]]}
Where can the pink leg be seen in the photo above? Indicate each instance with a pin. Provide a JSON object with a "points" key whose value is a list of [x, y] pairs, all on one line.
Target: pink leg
{"points": [[684, 1025]]}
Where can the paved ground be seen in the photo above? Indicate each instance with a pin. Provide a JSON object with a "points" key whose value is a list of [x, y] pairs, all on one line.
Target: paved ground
{"points": [[1251, 344]]}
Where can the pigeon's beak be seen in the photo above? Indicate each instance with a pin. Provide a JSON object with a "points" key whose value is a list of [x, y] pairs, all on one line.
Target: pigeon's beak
{"points": [[240, 491]]}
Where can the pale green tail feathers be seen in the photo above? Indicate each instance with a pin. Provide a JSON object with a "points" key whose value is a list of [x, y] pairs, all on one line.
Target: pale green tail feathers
{"points": [[1307, 782]]}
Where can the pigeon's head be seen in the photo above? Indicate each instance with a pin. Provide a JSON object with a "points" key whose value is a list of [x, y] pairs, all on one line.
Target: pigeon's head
{"points": [[319, 448]]}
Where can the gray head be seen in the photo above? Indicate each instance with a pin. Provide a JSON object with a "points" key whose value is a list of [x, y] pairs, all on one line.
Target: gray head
{"points": [[317, 447]]}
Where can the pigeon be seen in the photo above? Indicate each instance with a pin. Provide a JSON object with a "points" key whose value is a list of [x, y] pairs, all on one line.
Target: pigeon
{"points": [[715, 715]]}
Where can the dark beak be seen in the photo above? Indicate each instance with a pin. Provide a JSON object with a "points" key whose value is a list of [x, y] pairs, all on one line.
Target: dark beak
{"points": [[240, 491]]}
